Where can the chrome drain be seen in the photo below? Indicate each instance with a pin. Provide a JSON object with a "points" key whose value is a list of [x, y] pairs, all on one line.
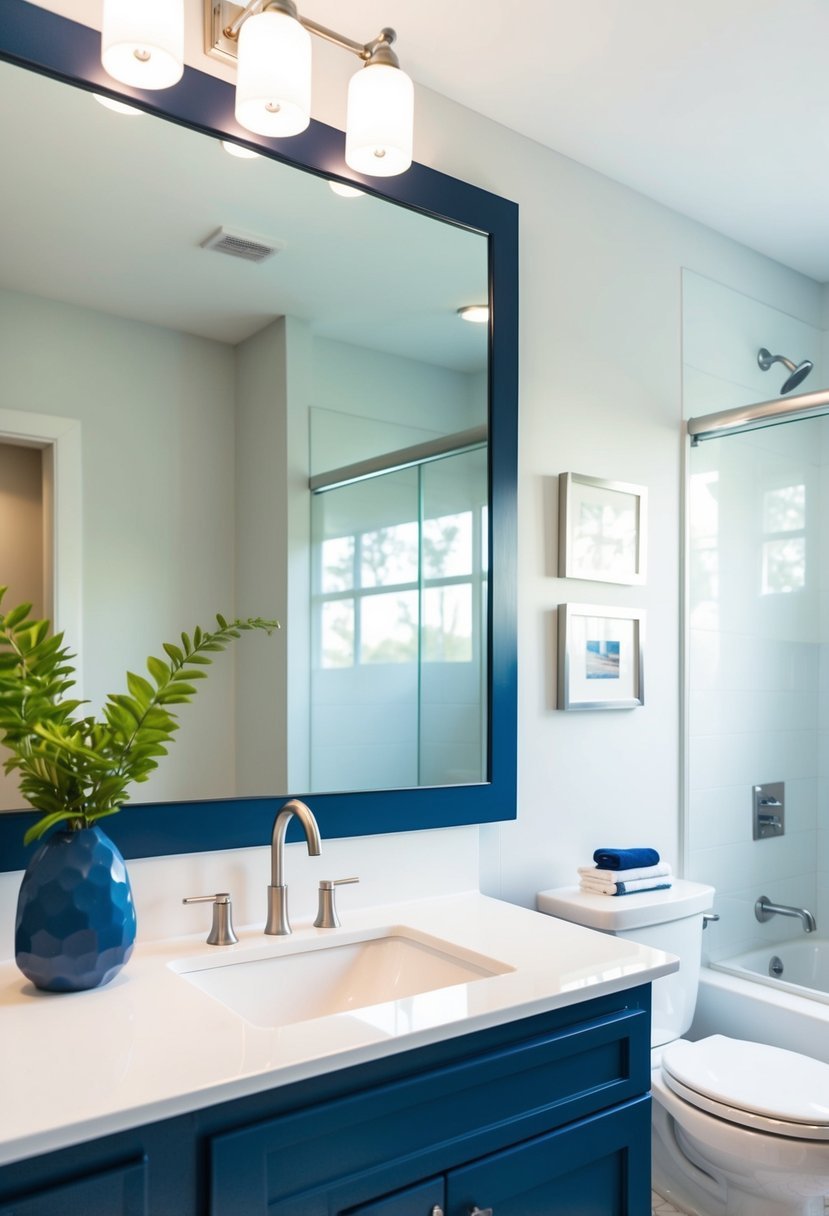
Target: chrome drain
{"points": [[775, 965]]}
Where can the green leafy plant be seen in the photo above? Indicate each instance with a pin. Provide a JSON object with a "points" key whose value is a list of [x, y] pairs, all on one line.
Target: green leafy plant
{"points": [[75, 768]]}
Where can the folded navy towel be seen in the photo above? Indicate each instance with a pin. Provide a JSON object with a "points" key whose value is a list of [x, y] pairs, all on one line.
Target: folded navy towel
{"points": [[625, 859]]}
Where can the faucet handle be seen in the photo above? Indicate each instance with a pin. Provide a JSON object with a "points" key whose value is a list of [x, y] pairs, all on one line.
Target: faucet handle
{"points": [[327, 911], [221, 932]]}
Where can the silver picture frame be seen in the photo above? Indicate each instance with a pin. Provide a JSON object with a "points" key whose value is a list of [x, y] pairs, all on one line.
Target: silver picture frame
{"points": [[601, 657], [602, 530]]}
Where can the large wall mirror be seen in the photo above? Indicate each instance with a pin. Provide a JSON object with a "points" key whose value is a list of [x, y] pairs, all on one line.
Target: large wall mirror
{"points": [[229, 388]]}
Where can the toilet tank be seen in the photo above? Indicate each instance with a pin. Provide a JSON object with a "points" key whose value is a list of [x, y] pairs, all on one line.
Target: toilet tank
{"points": [[667, 920]]}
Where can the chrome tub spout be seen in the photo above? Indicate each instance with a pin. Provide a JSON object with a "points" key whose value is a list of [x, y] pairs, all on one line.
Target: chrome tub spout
{"points": [[764, 909]]}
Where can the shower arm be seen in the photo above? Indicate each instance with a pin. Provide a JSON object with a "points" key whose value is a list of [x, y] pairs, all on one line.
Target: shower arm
{"points": [[765, 359]]}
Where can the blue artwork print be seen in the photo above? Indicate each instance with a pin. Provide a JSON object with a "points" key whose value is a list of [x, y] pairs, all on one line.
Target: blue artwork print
{"points": [[602, 660]]}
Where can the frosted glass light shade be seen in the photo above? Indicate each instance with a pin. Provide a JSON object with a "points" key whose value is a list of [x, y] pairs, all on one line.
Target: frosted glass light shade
{"points": [[380, 121], [142, 42], [273, 77]]}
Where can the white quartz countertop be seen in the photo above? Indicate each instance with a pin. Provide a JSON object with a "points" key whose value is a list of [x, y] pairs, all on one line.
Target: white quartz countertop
{"points": [[151, 1044]]}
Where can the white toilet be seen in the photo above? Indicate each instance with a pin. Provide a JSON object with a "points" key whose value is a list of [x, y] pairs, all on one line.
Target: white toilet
{"points": [[739, 1128]]}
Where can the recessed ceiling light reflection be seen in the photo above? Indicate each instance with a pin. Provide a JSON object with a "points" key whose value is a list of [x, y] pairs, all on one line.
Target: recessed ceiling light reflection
{"points": [[345, 191], [118, 107], [238, 151], [478, 314]]}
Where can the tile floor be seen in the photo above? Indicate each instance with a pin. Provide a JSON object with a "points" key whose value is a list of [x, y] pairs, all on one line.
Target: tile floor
{"points": [[661, 1207]]}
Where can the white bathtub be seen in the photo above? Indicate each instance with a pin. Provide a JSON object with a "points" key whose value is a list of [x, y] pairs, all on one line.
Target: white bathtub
{"points": [[801, 967], [770, 1011]]}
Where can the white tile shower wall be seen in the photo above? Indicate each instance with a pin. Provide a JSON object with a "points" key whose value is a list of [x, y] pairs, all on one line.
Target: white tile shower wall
{"points": [[822, 895], [755, 659]]}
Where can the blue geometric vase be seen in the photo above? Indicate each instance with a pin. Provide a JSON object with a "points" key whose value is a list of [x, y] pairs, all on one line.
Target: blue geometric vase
{"points": [[75, 925]]}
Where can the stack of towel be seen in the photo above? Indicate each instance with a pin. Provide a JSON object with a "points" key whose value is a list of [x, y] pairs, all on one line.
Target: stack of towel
{"points": [[624, 872]]}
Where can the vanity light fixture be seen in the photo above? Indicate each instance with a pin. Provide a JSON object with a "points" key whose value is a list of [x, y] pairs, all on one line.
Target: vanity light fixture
{"points": [[273, 73], [142, 42], [478, 314], [270, 43]]}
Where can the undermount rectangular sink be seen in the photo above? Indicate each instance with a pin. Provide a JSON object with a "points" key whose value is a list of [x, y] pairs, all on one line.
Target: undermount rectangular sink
{"points": [[315, 979]]}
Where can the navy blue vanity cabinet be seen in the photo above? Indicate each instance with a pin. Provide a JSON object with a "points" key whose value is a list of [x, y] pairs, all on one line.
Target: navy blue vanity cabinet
{"points": [[121, 1191], [424, 1199], [598, 1167], [549, 1114]]}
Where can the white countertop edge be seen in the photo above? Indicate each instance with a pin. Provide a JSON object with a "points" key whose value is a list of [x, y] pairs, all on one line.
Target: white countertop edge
{"points": [[47, 1113], [213, 1095]]}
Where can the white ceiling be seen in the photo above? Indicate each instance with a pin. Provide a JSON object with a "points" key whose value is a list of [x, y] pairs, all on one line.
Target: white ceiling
{"points": [[718, 108]]}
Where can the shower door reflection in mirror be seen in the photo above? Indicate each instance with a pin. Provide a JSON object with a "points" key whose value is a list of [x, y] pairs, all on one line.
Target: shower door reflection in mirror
{"points": [[398, 632], [209, 388]]}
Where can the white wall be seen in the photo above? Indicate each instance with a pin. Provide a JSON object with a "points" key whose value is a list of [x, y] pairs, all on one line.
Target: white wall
{"points": [[261, 520], [156, 414], [601, 395], [600, 361], [367, 403]]}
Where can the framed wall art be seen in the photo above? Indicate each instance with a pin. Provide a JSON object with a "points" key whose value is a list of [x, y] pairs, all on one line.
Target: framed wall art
{"points": [[602, 529], [600, 657]]}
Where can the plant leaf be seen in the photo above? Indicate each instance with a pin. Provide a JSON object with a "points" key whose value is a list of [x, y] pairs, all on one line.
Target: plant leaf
{"points": [[140, 688], [174, 652], [12, 619], [159, 670]]}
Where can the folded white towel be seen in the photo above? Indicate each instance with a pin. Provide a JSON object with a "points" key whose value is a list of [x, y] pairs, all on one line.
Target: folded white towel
{"points": [[593, 886], [597, 887], [657, 871]]}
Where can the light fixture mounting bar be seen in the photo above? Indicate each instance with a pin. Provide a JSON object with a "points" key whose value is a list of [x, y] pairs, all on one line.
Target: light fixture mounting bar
{"points": [[223, 20], [363, 50]]}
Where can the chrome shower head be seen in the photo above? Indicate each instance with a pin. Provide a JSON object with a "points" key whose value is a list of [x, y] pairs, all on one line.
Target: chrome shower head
{"points": [[797, 371]]}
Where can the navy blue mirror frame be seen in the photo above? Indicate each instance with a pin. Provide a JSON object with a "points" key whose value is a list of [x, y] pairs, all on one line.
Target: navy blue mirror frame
{"points": [[43, 42]]}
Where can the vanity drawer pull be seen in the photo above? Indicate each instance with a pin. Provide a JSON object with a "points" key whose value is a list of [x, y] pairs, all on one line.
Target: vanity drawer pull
{"points": [[476, 1211]]}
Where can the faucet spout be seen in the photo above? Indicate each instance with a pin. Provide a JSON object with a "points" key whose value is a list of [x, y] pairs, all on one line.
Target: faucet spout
{"points": [[764, 909], [277, 923]]}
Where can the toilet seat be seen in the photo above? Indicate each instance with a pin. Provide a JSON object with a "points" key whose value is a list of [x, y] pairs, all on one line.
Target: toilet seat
{"points": [[779, 1092]]}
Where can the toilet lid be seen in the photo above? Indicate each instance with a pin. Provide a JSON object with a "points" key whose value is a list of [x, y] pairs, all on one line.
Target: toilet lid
{"points": [[778, 1091]]}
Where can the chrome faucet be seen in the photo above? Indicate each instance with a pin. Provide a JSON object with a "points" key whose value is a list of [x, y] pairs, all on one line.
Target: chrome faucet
{"points": [[764, 909], [277, 922]]}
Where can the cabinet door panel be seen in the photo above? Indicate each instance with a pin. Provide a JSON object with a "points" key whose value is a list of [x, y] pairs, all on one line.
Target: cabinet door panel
{"points": [[485, 1102], [598, 1167], [420, 1200], [117, 1192]]}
